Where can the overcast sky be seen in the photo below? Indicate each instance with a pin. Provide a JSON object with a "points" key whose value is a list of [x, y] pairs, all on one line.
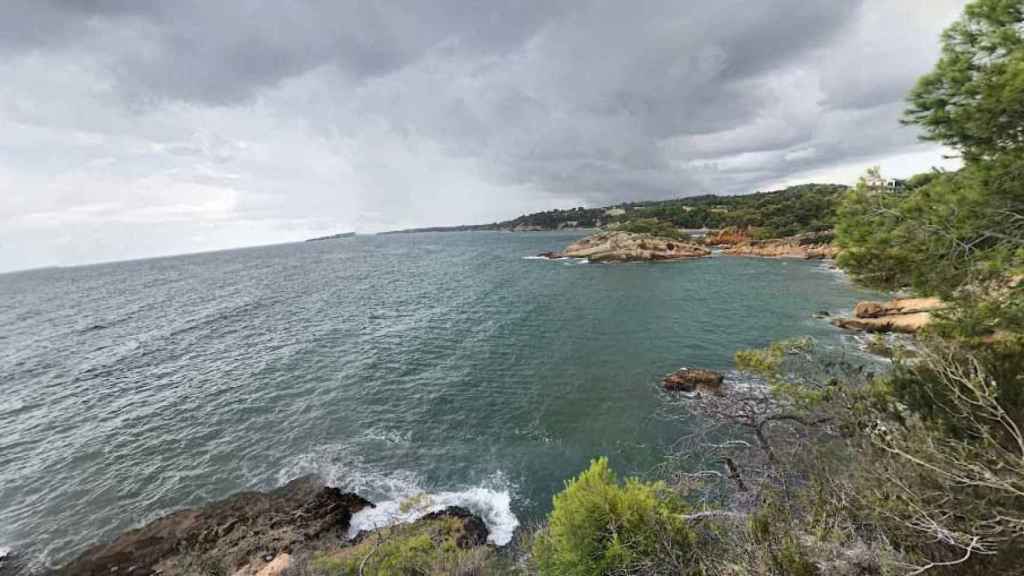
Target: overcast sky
{"points": [[132, 129]]}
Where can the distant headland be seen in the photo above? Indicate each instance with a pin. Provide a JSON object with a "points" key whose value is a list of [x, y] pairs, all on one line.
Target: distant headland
{"points": [[332, 237]]}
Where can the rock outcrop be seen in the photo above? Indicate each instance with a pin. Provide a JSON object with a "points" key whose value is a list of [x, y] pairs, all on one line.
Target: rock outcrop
{"points": [[631, 247], [811, 246], [473, 533], [905, 316], [247, 531], [868, 309], [693, 380]]}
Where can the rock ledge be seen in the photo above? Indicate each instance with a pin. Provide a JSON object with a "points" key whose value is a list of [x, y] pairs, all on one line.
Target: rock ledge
{"points": [[617, 246]]}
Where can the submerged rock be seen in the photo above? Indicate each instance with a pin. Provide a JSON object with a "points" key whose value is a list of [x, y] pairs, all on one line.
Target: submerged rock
{"points": [[693, 379], [620, 246], [228, 535]]}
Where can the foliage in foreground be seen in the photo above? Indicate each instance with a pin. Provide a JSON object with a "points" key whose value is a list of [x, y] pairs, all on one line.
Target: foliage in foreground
{"points": [[601, 526], [424, 548]]}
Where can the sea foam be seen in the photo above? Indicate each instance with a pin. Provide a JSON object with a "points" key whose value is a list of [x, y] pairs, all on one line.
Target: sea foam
{"points": [[493, 506], [399, 496]]}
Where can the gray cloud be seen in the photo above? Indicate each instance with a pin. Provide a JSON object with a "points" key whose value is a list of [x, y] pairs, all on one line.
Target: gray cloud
{"points": [[135, 128]]}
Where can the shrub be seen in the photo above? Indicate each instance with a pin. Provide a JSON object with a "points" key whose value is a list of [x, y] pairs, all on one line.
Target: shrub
{"points": [[600, 526], [424, 548], [652, 226]]}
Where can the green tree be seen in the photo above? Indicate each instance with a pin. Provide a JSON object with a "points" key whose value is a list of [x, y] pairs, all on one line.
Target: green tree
{"points": [[974, 98]]}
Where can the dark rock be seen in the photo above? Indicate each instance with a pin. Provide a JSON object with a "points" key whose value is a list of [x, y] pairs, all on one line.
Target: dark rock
{"points": [[10, 564], [822, 314], [550, 255], [474, 531], [229, 532], [693, 379]]}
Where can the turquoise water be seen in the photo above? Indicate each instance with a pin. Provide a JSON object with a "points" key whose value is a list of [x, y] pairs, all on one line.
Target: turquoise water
{"points": [[389, 365]]}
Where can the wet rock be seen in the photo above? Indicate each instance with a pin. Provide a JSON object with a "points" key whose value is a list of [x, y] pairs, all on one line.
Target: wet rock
{"points": [[693, 379], [228, 534], [820, 314], [10, 564], [474, 531]]}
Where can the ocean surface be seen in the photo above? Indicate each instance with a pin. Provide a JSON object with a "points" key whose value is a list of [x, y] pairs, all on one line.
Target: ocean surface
{"points": [[452, 364]]}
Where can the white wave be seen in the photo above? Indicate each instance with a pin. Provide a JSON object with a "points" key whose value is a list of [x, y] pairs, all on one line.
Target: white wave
{"points": [[563, 259], [4, 552], [493, 506], [399, 495]]}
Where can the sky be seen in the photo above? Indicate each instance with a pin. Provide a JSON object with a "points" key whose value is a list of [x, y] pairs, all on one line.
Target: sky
{"points": [[131, 129]]}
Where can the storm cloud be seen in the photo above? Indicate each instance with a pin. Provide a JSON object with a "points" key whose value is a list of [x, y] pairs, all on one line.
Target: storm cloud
{"points": [[131, 129]]}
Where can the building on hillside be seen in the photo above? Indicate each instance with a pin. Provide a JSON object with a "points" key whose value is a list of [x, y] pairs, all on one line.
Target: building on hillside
{"points": [[615, 212], [894, 184]]}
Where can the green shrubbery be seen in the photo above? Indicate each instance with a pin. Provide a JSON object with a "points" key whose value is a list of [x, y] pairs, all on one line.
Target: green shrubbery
{"points": [[424, 548], [651, 226], [600, 526]]}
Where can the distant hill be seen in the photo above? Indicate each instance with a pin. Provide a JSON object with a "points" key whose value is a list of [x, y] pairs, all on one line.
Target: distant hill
{"points": [[794, 210], [332, 237]]}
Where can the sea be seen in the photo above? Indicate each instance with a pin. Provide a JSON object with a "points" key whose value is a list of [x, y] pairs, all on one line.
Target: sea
{"points": [[455, 365]]}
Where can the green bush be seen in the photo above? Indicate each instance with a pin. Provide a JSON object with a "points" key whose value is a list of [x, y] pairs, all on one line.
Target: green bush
{"points": [[600, 526], [424, 548], [652, 226]]}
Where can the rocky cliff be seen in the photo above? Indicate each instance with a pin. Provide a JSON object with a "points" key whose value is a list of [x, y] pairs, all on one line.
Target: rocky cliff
{"points": [[248, 534]]}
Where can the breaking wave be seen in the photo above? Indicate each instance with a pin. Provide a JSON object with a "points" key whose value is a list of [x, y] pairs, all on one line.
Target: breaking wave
{"points": [[494, 506], [401, 497]]}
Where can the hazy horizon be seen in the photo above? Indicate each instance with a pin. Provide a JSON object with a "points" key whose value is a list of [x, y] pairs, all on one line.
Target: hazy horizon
{"points": [[134, 131]]}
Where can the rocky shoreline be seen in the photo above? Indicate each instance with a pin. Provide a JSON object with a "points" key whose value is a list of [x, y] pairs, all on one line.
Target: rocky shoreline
{"points": [[251, 534], [901, 315], [622, 246], [810, 246]]}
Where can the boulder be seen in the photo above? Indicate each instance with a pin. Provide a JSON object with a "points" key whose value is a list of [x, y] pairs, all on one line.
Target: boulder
{"points": [[868, 309], [903, 315], [232, 533], [617, 246], [901, 323], [693, 379], [474, 531]]}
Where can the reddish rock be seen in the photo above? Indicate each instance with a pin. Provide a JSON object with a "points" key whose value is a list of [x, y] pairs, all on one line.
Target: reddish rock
{"points": [[693, 379]]}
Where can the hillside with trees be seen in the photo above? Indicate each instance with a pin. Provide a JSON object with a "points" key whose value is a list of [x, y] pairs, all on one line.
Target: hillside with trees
{"points": [[794, 210]]}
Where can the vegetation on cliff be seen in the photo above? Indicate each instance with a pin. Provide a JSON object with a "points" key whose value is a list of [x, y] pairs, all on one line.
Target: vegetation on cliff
{"points": [[828, 468], [787, 212], [821, 466]]}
